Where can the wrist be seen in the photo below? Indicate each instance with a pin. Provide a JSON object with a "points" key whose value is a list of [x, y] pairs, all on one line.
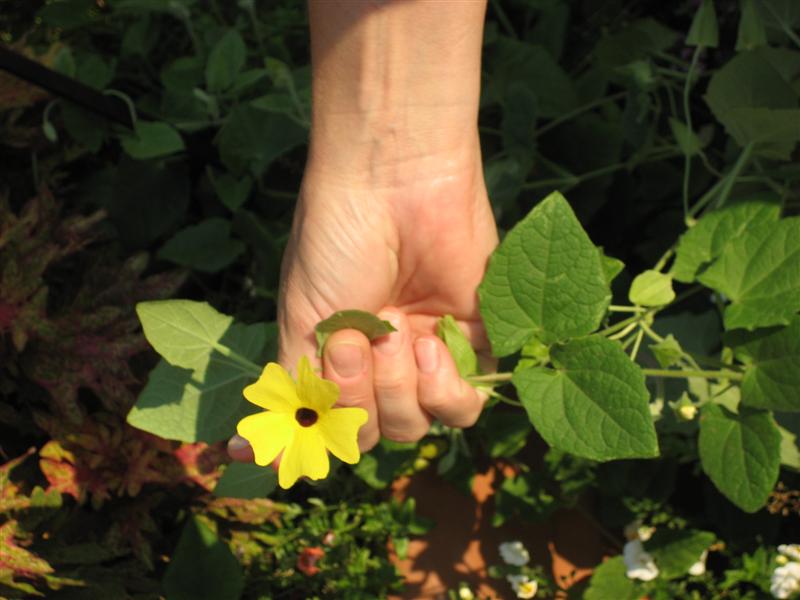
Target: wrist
{"points": [[395, 88]]}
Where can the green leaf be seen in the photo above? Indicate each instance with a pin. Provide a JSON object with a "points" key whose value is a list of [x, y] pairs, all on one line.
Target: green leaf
{"points": [[651, 288], [247, 79], [593, 404], [756, 104], [524, 496], [381, 465], [715, 231], [760, 272], [231, 191], [94, 71], [365, 322], [611, 266], [789, 426], [505, 177], [250, 139], [64, 62], [196, 395], [226, 59], [458, 344], [667, 352], [202, 567], [772, 372], [183, 74], [152, 140], [636, 41], [674, 551], [513, 61], [752, 33], [687, 140], [748, 80], [519, 119], [773, 132], [610, 581], [84, 127], [247, 481], [740, 453], [186, 332], [193, 405], [704, 30], [546, 279], [206, 247], [506, 433]]}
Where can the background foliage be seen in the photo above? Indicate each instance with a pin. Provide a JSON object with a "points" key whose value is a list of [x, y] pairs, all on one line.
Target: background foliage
{"points": [[669, 127]]}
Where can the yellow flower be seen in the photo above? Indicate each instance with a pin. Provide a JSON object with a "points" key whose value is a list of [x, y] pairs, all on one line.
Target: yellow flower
{"points": [[300, 421]]}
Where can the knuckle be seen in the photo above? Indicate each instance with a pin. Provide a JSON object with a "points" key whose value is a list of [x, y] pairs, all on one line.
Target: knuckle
{"points": [[392, 387]]}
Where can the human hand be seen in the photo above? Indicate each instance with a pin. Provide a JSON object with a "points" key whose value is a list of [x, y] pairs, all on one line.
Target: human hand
{"points": [[393, 215], [411, 253]]}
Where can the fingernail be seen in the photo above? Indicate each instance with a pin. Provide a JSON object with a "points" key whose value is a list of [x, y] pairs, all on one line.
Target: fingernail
{"points": [[237, 443], [427, 355], [390, 344], [347, 359]]}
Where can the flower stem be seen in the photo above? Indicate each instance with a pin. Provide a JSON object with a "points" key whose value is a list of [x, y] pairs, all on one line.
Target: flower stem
{"points": [[637, 344]]}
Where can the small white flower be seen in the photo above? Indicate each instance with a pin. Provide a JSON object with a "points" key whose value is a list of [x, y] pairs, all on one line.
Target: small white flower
{"points": [[523, 586], [464, 593], [785, 580], [791, 551], [638, 562], [699, 567], [514, 553]]}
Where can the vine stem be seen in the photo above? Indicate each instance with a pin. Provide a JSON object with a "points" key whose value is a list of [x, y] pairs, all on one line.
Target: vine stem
{"points": [[685, 374], [503, 398], [490, 378], [786, 29], [578, 111], [724, 185], [733, 174], [687, 162], [637, 343], [624, 332], [504, 20], [631, 309], [690, 292], [624, 323]]}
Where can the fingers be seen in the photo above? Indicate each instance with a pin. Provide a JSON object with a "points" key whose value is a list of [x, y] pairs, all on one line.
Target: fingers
{"points": [[239, 449], [440, 389], [401, 417], [347, 361]]}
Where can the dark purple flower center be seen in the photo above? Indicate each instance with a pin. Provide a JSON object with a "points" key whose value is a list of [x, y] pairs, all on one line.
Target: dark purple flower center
{"points": [[306, 416]]}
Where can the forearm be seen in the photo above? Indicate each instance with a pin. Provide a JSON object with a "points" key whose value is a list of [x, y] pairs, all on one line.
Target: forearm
{"points": [[395, 87]]}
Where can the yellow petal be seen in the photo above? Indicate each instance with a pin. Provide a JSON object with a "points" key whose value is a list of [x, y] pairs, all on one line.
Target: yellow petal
{"points": [[315, 392], [339, 428], [268, 434], [274, 390], [305, 456]]}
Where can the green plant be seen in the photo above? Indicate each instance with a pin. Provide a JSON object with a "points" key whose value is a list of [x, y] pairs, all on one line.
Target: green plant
{"points": [[671, 128]]}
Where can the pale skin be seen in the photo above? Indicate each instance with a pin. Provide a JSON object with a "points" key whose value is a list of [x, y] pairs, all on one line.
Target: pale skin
{"points": [[393, 215]]}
